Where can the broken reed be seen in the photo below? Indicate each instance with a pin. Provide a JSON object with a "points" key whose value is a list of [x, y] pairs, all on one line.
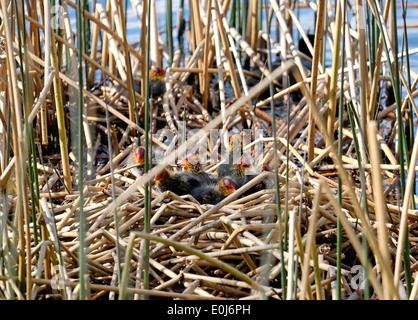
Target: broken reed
{"points": [[359, 110]]}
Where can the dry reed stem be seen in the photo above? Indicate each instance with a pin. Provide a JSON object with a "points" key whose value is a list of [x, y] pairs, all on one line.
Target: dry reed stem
{"points": [[375, 157], [315, 68]]}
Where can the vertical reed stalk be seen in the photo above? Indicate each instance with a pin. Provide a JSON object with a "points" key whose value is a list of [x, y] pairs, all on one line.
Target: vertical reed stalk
{"points": [[409, 143], [363, 72], [403, 147], [335, 65], [221, 82], [377, 58], [19, 149], [403, 225], [83, 275], [169, 30], [340, 151], [309, 248], [27, 101], [197, 27], [115, 215], [208, 41], [351, 116], [147, 164], [59, 104], [379, 199], [391, 53], [319, 28], [276, 168]]}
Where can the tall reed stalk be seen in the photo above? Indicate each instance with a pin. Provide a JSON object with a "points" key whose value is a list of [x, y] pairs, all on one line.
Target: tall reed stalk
{"points": [[83, 295], [276, 169], [147, 163], [169, 30]]}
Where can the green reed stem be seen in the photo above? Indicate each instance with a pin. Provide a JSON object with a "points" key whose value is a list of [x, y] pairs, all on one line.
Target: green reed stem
{"points": [[82, 261], [276, 163], [232, 14], [402, 137], [33, 172], [244, 12], [410, 144], [86, 36], [147, 164], [169, 30]]}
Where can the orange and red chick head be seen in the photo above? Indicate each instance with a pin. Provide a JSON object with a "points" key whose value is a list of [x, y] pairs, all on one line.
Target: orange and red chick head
{"points": [[191, 162], [227, 186], [139, 155], [186, 162], [157, 73], [161, 175]]}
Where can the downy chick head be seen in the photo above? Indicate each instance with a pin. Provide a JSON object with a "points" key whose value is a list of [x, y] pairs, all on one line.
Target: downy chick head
{"points": [[192, 163], [139, 155], [226, 186], [162, 175], [157, 74]]}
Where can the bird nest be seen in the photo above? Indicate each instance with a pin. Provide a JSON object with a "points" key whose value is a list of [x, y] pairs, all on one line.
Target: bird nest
{"points": [[211, 251]]}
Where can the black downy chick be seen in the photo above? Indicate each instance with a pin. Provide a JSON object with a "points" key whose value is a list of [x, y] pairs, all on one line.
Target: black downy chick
{"points": [[209, 189], [193, 165], [234, 167], [213, 193], [181, 183]]}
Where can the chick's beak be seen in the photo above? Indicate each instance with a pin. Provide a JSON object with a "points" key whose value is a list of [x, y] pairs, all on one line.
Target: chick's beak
{"points": [[182, 162], [246, 164]]}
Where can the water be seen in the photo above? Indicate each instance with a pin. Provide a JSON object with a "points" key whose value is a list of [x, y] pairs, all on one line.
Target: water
{"points": [[306, 19]]}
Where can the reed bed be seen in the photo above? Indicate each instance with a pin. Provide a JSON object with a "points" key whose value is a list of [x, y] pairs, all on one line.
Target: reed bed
{"points": [[80, 221]]}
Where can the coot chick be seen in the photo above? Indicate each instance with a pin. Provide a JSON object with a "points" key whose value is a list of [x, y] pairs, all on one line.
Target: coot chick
{"points": [[213, 193], [136, 157], [193, 165], [181, 183], [157, 82], [235, 165]]}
